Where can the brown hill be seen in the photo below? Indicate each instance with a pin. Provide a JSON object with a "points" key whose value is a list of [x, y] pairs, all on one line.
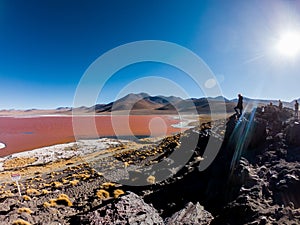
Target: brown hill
{"points": [[143, 104]]}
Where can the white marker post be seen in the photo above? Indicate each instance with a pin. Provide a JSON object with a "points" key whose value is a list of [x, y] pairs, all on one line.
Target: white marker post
{"points": [[16, 177]]}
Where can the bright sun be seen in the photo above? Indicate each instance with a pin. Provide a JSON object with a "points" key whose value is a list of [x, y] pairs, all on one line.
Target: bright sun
{"points": [[289, 44]]}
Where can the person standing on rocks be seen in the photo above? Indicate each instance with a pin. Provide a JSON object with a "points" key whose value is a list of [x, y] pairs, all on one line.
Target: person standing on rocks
{"points": [[280, 105], [239, 105], [296, 109]]}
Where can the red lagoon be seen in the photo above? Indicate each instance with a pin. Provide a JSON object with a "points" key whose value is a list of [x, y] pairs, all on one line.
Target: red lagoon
{"points": [[27, 133]]}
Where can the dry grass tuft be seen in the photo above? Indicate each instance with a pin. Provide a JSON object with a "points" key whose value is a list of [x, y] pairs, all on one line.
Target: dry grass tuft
{"points": [[56, 184], [63, 196], [63, 200], [25, 210], [100, 174], [4, 194], [45, 192], [32, 191], [51, 204], [81, 176], [74, 182], [38, 179], [26, 198], [20, 222], [118, 192], [65, 181], [107, 185], [102, 194], [151, 179]]}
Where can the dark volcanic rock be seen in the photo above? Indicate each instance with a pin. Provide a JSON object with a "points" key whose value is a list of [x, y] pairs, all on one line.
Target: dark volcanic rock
{"points": [[293, 134], [254, 179], [191, 214], [263, 186], [129, 209]]}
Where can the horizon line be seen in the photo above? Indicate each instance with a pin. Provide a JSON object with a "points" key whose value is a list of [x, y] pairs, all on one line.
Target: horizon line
{"points": [[104, 103]]}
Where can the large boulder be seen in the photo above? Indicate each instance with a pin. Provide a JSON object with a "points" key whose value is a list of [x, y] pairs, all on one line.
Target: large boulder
{"points": [[257, 132], [129, 209], [293, 134], [191, 214]]}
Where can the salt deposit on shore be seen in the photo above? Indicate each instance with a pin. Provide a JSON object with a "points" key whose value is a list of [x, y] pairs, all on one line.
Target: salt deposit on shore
{"points": [[183, 122], [63, 151], [2, 145]]}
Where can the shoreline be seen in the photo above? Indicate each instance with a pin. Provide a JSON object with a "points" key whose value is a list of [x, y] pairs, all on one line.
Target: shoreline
{"points": [[51, 159], [23, 134], [53, 153]]}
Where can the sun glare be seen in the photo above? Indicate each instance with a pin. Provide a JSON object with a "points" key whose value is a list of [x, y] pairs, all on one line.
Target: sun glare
{"points": [[289, 44]]}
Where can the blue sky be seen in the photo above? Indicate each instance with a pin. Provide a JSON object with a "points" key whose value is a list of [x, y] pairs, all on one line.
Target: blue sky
{"points": [[46, 46]]}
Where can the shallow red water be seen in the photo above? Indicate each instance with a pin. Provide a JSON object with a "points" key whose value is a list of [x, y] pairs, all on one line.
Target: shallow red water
{"points": [[20, 134]]}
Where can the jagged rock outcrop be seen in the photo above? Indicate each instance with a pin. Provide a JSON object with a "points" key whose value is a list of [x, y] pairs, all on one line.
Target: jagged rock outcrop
{"points": [[129, 209], [293, 133], [254, 179], [263, 185], [190, 214]]}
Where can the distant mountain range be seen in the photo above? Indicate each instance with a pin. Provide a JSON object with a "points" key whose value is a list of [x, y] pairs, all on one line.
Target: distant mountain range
{"points": [[143, 103]]}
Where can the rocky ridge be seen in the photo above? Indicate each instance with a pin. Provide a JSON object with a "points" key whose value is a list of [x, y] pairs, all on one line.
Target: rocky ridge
{"points": [[253, 180]]}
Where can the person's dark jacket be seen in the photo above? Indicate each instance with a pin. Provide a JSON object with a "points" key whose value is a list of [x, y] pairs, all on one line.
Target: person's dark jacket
{"points": [[240, 102]]}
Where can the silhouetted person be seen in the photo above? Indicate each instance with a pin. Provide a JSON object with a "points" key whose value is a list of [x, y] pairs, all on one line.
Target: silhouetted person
{"points": [[280, 105], [296, 109], [239, 105]]}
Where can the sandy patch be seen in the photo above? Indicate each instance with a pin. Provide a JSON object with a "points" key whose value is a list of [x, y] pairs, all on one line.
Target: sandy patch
{"points": [[18, 162]]}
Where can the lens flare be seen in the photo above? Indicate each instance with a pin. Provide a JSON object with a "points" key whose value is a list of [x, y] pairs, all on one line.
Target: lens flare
{"points": [[289, 44]]}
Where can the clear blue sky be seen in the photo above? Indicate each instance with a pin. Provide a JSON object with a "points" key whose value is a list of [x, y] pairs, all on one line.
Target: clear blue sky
{"points": [[46, 46]]}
